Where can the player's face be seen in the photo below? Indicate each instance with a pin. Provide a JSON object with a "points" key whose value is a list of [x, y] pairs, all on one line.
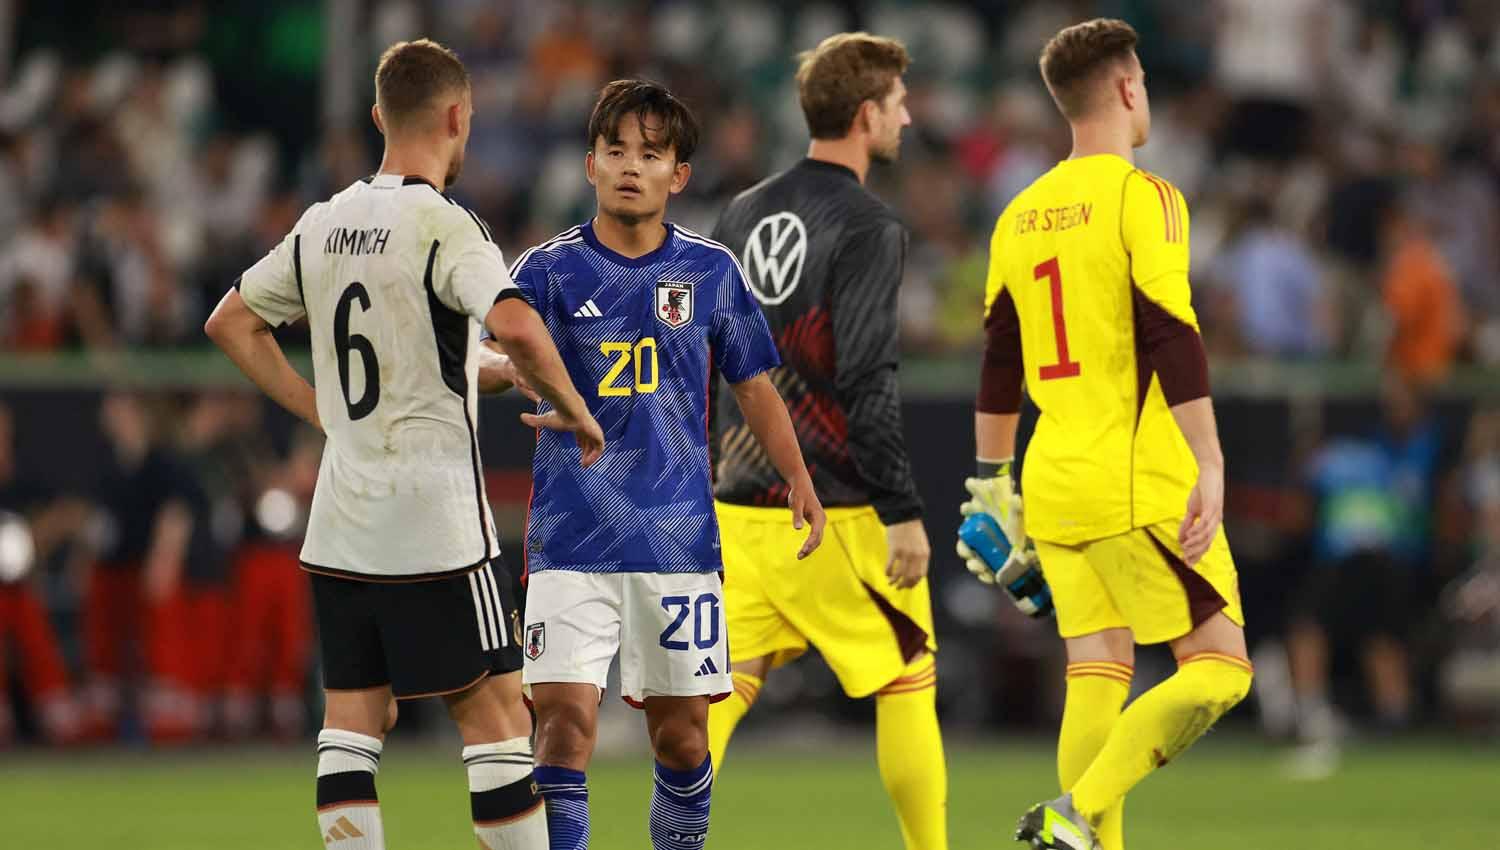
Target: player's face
{"points": [[1140, 114], [464, 118], [886, 121], [634, 174]]}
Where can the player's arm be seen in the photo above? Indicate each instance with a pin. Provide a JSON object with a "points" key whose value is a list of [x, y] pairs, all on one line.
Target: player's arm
{"points": [[1008, 560], [766, 414], [744, 352], [470, 277], [1155, 230], [866, 335], [522, 335], [267, 295], [497, 372]]}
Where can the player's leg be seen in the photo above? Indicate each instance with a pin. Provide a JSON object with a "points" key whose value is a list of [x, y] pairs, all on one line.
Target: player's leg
{"points": [[751, 538], [1101, 655], [567, 723], [878, 641], [1213, 670], [682, 792], [503, 797], [674, 660], [725, 715], [909, 753], [491, 717], [1100, 666], [355, 722], [358, 711], [572, 634]]}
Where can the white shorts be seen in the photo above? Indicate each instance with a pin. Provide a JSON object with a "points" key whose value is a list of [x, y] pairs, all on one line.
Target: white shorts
{"points": [[668, 628]]}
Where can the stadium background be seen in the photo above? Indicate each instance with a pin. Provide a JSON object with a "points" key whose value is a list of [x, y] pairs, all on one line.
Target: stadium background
{"points": [[1342, 164]]}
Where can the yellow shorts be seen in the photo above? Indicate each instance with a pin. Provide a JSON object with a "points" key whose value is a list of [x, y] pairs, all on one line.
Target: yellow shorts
{"points": [[1137, 580], [838, 599]]}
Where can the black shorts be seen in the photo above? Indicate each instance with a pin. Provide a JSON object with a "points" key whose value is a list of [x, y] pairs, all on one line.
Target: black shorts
{"points": [[423, 638], [1369, 593]]}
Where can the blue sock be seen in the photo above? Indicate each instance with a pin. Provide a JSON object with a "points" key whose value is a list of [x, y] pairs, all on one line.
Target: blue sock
{"points": [[567, 795], [679, 807]]}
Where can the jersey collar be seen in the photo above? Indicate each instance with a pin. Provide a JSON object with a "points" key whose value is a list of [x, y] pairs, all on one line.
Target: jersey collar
{"points": [[392, 180], [830, 167], [620, 259]]}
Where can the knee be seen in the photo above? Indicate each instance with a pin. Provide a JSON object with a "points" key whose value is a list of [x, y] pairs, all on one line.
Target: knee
{"points": [[680, 743], [1225, 685], [392, 711], [564, 736]]}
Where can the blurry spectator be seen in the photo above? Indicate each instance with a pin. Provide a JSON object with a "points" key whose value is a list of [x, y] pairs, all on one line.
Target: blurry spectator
{"points": [[268, 661], [1470, 677], [1421, 298], [1276, 286], [189, 595], [1272, 60], [1371, 541], [147, 527], [36, 277], [565, 53], [34, 524]]}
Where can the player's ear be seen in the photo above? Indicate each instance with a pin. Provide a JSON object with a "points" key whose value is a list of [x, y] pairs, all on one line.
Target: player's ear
{"points": [[865, 118], [1125, 91], [455, 119], [375, 116], [588, 167], [680, 176]]}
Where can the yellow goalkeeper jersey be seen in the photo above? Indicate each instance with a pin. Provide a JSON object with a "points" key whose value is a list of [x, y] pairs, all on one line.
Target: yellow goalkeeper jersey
{"points": [[1093, 256]]}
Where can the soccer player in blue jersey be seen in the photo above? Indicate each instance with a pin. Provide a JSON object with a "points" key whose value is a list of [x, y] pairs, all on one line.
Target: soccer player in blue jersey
{"points": [[624, 557]]}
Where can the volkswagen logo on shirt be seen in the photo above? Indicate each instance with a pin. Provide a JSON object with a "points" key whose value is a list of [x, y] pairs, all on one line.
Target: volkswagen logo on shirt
{"points": [[774, 255]]}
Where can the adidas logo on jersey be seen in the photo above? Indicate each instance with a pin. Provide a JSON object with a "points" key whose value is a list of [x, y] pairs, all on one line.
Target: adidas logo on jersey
{"points": [[588, 311], [707, 668]]}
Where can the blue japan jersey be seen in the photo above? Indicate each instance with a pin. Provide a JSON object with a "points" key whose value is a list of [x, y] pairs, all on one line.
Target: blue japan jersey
{"points": [[636, 336]]}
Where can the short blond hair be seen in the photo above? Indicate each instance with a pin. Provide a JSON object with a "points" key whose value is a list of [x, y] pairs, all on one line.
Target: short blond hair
{"points": [[411, 74], [842, 72], [1074, 57]]}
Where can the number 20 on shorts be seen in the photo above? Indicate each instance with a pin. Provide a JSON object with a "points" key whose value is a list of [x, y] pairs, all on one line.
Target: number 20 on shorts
{"points": [[704, 612], [641, 355]]}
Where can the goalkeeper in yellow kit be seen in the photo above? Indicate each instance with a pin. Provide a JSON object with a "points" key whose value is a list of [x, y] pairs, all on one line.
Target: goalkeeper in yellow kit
{"points": [[1088, 304]]}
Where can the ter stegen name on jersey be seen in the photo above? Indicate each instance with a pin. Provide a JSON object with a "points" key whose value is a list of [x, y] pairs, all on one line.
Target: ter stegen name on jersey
{"points": [[637, 336]]}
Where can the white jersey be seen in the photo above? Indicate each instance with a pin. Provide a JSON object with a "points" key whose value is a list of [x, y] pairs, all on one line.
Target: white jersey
{"points": [[394, 279]]}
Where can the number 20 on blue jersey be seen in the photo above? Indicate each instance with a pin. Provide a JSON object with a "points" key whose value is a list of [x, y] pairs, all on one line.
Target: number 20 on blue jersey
{"points": [[641, 355]]}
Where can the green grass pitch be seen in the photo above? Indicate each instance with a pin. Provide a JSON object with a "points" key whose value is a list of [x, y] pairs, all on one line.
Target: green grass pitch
{"points": [[1227, 794]]}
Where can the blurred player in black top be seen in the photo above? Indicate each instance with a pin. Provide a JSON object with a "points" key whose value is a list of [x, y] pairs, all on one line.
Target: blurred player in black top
{"points": [[824, 257]]}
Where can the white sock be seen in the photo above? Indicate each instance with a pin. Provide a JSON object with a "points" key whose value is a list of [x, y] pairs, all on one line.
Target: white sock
{"points": [[348, 810], [508, 813]]}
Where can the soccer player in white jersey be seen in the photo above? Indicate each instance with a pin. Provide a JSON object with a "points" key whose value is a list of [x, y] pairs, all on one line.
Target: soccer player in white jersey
{"points": [[411, 594], [624, 557]]}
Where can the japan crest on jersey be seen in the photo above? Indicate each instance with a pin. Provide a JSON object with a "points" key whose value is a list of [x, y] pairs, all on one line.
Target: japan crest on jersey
{"points": [[674, 302]]}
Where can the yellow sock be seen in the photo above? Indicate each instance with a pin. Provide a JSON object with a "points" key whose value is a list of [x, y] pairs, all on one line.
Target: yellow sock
{"points": [[1159, 726], [1096, 693], [909, 749], [725, 714]]}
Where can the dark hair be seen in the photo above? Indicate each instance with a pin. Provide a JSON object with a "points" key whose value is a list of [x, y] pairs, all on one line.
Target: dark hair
{"points": [[673, 126], [411, 74], [842, 72], [1073, 56]]}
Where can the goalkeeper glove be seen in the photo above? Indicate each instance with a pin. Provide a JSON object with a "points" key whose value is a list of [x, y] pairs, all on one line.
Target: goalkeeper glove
{"points": [[992, 541]]}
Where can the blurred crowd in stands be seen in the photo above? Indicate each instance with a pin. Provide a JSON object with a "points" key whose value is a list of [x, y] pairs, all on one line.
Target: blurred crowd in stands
{"points": [[1339, 157], [1341, 161]]}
